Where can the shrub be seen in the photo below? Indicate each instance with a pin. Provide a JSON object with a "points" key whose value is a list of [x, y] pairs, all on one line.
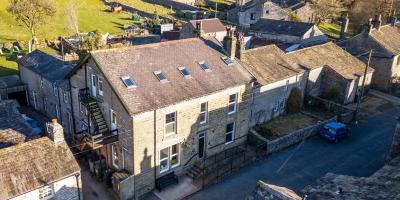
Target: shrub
{"points": [[295, 100], [332, 93]]}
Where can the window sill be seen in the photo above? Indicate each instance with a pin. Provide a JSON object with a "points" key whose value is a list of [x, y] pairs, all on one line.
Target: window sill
{"points": [[169, 134], [231, 113], [203, 123], [176, 165], [230, 142]]}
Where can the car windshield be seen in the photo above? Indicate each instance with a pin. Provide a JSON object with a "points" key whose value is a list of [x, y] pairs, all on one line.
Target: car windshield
{"points": [[329, 130]]}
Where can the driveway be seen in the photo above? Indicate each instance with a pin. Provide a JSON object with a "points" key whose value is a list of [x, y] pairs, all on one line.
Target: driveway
{"points": [[360, 155]]}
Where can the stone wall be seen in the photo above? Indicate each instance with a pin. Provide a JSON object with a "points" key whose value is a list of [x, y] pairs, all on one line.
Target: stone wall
{"points": [[291, 138], [395, 147], [264, 191]]}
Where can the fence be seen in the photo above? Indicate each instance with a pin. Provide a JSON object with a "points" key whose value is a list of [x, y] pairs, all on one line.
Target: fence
{"points": [[343, 113]]}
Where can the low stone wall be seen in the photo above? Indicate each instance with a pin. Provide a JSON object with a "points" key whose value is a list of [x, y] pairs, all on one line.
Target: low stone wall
{"points": [[288, 140]]}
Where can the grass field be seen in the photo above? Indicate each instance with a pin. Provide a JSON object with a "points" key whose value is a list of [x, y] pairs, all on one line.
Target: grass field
{"points": [[92, 14]]}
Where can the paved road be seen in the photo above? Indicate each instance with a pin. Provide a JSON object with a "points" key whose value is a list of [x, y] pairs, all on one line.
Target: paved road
{"points": [[361, 155]]}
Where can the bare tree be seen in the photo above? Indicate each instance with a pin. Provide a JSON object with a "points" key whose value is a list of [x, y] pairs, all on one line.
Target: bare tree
{"points": [[72, 17], [32, 13], [328, 9]]}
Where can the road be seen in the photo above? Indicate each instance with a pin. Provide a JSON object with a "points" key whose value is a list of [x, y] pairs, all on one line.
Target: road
{"points": [[360, 155]]}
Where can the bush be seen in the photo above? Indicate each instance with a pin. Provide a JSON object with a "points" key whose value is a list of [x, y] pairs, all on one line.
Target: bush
{"points": [[295, 100], [332, 93]]}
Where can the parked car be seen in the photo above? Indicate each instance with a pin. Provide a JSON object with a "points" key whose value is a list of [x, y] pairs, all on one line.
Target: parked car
{"points": [[334, 131]]}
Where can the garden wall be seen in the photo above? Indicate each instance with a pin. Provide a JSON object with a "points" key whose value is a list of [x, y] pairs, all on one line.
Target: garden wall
{"points": [[288, 140]]}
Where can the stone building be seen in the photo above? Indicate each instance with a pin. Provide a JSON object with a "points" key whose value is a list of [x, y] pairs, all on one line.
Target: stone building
{"points": [[286, 32], [205, 27], [384, 40], [48, 90], [167, 105], [328, 66], [40, 168], [248, 12], [275, 77]]}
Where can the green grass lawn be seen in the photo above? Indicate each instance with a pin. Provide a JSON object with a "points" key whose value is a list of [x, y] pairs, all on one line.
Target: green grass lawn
{"points": [[92, 15], [332, 30]]}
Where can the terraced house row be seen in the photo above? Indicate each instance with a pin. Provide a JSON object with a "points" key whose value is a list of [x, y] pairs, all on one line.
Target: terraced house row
{"points": [[153, 110]]}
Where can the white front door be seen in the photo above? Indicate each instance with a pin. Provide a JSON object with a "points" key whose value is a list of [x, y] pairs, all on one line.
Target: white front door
{"points": [[94, 88]]}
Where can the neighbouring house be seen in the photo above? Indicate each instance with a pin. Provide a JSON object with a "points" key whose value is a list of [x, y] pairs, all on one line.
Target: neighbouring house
{"points": [[157, 109], [49, 91], [39, 169], [13, 127], [384, 40], [286, 32], [275, 77], [330, 66], [247, 12], [11, 87], [205, 28]]}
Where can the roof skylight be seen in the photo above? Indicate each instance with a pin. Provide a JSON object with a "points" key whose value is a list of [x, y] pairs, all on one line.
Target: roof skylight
{"points": [[185, 72], [160, 76], [204, 66], [128, 81], [228, 61]]}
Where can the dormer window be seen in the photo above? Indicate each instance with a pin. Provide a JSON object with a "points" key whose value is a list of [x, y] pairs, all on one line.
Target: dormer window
{"points": [[160, 76], [185, 72], [228, 61], [204, 66], [128, 81]]}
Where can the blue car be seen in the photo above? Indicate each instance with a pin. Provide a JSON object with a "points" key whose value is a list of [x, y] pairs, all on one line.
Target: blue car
{"points": [[334, 131]]}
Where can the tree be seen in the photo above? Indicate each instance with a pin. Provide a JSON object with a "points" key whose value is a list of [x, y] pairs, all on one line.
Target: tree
{"points": [[92, 41], [295, 100], [327, 9], [32, 13]]}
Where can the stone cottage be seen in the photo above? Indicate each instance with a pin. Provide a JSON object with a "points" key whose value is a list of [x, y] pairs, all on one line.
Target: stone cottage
{"points": [[275, 77], [37, 168], [168, 104], [49, 91], [328, 66], [287, 32], [212, 27], [384, 40], [248, 12]]}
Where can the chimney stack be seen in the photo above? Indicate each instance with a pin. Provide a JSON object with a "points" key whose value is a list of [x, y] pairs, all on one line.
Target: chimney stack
{"points": [[241, 46], [345, 25], [393, 18], [55, 131], [377, 23], [230, 42], [199, 28]]}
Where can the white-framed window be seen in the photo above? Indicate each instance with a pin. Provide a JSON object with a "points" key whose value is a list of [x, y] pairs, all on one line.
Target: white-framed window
{"points": [[100, 85], [81, 107], [34, 99], [55, 92], [203, 113], [114, 155], [66, 97], [58, 112], [170, 123], [232, 106], [46, 192], [113, 120], [230, 132], [169, 157]]}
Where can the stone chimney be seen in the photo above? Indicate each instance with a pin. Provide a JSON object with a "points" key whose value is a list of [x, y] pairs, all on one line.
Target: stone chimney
{"points": [[393, 18], [199, 28], [55, 131], [241, 47], [395, 148], [345, 25], [230, 42], [369, 27], [377, 22]]}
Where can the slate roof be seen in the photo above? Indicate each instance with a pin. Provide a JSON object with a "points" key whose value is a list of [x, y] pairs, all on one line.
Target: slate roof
{"points": [[140, 62], [13, 127], [48, 66], [34, 164], [329, 54], [269, 64], [211, 25], [389, 37], [280, 27], [10, 81]]}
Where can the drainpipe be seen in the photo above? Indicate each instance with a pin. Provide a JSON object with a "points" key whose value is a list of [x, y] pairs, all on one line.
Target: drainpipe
{"points": [[72, 109], [77, 186], [155, 146]]}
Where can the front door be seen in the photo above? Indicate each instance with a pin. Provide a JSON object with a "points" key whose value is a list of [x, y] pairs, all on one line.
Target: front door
{"points": [[94, 88], [202, 142]]}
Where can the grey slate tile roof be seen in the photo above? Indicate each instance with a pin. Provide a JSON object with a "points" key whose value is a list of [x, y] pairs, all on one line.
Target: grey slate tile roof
{"points": [[388, 37], [10, 81], [269, 64], [13, 127], [34, 164], [140, 62], [329, 54], [211, 25], [46, 65], [281, 27]]}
